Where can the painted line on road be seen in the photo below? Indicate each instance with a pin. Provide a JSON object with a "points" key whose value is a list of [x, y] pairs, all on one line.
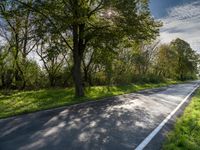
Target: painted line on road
{"points": [[146, 141]]}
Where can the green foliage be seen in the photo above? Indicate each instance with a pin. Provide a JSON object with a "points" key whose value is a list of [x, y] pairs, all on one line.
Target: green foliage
{"points": [[148, 78], [32, 74], [186, 59], [166, 62], [177, 61], [80, 43], [82, 24], [186, 133]]}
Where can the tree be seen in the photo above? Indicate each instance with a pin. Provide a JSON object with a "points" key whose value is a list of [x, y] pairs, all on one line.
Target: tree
{"points": [[78, 22], [166, 62], [16, 29], [6, 72], [186, 59], [53, 56]]}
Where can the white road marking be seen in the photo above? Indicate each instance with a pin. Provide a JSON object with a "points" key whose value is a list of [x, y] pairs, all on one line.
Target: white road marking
{"points": [[146, 141]]}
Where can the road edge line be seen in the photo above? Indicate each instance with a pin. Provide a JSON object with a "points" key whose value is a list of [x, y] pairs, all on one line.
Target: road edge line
{"points": [[148, 139]]}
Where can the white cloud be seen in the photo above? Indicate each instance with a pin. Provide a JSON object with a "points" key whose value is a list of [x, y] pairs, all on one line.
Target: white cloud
{"points": [[183, 22]]}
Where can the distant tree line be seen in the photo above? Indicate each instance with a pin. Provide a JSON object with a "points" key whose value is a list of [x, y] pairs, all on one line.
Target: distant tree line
{"points": [[66, 43]]}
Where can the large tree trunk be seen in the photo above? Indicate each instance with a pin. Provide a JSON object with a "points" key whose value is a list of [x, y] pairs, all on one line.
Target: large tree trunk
{"points": [[77, 57], [77, 77], [78, 49]]}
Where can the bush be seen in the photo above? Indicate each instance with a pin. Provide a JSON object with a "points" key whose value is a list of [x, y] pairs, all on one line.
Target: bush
{"points": [[149, 78]]}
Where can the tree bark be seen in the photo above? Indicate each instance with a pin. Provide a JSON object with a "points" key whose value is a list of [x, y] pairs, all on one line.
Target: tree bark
{"points": [[77, 77], [78, 49], [77, 57]]}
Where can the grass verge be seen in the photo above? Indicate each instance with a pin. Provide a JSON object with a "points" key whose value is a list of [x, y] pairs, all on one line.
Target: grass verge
{"points": [[30, 101], [186, 133]]}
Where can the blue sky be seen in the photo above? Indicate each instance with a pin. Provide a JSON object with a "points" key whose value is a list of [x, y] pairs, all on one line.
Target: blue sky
{"points": [[181, 18]]}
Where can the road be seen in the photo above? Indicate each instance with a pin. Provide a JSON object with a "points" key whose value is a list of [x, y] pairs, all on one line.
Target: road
{"points": [[119, 123]]}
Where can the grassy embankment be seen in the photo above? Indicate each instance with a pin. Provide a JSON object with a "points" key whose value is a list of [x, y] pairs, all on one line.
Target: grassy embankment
{"points": [[22, 102], [186, 133]]}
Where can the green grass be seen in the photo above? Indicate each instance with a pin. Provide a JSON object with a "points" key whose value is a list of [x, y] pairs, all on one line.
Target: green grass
{"points": [[186, 133], [30, 101]]}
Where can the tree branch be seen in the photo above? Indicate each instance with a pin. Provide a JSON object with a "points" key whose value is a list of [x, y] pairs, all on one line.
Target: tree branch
{"points": [[30, 7]]}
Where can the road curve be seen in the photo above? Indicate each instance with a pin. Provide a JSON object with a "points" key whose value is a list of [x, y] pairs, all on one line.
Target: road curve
{"points": [[119, 123]]}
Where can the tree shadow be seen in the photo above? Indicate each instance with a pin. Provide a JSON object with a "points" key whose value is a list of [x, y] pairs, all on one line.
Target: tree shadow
{"points": [[115, 123]]}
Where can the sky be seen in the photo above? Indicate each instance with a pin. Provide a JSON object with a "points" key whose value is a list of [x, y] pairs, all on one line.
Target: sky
{"points": [[181, 19]]}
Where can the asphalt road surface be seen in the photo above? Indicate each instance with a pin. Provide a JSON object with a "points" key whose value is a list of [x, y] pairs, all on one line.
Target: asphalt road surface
{"points": [[118, 123]]}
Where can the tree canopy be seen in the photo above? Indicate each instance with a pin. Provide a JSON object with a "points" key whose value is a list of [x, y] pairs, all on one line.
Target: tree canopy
{"points": [[86, 42]]}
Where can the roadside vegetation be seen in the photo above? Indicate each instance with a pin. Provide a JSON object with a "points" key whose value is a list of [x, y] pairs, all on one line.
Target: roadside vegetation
{"points": [[16, 102], [186, 133]]}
